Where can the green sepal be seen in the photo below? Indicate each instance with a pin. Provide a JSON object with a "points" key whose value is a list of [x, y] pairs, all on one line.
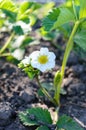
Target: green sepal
{"points": [[31, 72]]}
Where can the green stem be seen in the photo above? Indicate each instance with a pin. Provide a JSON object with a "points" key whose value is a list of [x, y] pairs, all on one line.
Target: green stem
{"points": [[45, 92], [69, 47], [65, 58], [7, 43], [5, 54]]}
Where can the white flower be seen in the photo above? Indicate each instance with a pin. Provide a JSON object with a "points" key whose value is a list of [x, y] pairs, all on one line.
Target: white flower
{"points": [[18, 41], [18, 54], [42, 60]]}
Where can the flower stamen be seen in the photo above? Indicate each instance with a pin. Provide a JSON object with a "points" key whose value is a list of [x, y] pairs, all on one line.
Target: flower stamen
{"points": [[43, 59]]}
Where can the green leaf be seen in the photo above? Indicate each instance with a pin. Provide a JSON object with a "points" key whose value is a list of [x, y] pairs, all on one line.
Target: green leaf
{"points": [[82, 13], [35, 116], [25, 6], [50, 19], [80, 39], [18, 30], [8, 5], [21, 65], [42, 128], [10, 14], [48, 86], [40, 93], [12, 60], [57, 18], [65, 16], [26, 41], [1, 22], [31, 72], [83, 25], [25, 19], [79, 51], [28, 6], [67, 123]]}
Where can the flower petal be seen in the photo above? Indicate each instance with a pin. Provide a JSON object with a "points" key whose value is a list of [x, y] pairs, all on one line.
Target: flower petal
{"points": [[34, 55], [51, 55], [44, 51]]}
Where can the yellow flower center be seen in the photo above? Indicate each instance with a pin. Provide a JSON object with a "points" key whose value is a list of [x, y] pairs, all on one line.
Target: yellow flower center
{"points": [[43, 59]]}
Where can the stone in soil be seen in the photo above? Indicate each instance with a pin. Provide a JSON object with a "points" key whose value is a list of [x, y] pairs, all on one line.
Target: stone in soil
{"points": [[27, 95]]}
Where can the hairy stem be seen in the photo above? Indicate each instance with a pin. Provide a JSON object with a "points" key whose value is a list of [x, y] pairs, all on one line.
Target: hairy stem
{"points": [[45, 92], [65, 58]]}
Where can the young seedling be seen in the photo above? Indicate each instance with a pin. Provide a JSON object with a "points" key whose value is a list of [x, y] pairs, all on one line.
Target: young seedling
{"points": [[72, 15]]}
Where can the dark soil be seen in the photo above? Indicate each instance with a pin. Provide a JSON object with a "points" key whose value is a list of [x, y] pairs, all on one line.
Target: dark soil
{"points": [[18, 92]]}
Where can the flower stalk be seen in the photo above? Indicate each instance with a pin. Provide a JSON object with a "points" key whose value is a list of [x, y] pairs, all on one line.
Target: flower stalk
{"points": [[45, 92]]}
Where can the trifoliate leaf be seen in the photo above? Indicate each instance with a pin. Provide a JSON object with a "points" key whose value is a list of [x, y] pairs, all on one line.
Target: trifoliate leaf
{"points": [[35, 116], [57, 18], [67, 123]]}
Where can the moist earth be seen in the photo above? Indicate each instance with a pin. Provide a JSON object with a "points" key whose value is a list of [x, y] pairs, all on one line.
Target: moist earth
{"points": [[18, 92]]}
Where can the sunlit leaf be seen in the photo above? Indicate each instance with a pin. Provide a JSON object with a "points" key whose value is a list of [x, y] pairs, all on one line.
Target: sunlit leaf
{"points": [[65, 16], [8, 5], [58, 17], [82, 8]]}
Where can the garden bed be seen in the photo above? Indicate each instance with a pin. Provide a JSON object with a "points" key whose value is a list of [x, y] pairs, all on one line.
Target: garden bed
{"points": [[18, 92]]}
